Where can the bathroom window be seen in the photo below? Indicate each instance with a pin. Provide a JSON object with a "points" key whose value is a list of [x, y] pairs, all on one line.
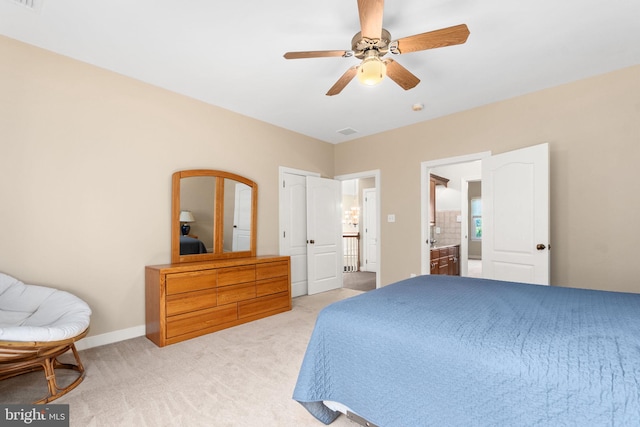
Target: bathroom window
{"points": [[476, 218]]}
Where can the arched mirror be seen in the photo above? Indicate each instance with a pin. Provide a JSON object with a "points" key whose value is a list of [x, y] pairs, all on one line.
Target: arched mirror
{"points": [[213, 216]]}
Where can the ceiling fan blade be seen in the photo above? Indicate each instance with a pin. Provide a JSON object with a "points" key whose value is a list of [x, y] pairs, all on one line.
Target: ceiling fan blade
{"points": [[316, 54], [401, 75], [371, 18], [343, 81], [439, 38]]}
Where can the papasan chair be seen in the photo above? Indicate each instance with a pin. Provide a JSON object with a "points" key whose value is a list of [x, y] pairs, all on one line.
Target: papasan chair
{"points": [[37, 325]]}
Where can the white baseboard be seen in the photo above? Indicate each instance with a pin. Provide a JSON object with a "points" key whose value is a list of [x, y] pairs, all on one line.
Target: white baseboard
{"points": [[111, 337]]}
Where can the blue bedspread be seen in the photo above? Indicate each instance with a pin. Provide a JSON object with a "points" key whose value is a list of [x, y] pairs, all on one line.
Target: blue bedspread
{"points": [[452, 351]]}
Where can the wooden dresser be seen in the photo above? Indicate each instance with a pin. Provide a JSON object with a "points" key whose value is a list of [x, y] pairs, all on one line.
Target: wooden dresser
{"points": [[187, 300]]}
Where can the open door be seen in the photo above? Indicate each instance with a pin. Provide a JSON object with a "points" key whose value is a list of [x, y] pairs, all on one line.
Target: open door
{"points": [[370, 240], [515, 217], [324, 234]]}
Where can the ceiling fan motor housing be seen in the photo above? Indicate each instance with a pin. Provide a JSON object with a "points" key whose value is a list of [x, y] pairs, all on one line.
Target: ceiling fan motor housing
{"points": [[360, 45]]}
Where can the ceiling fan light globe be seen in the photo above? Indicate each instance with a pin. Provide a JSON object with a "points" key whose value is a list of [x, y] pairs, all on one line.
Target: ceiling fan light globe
{"points": [[371, 71]]}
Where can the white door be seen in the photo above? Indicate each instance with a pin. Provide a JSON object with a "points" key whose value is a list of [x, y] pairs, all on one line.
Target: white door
{"points": [[515, 217], [370, 230], [242, 218], [293, 217], [465, 237], [324, 234]]}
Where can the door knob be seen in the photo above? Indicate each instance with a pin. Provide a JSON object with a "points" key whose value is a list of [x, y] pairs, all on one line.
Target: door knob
{"points": [[541, 247], [312, 241]]}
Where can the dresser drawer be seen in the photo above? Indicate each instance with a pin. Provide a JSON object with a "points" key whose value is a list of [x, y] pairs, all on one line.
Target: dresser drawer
{"points": [[272, 269], [272, 286], [235, 293], [191, 301], [192, 281], [234, 275], [201, 319], [264, 304]]}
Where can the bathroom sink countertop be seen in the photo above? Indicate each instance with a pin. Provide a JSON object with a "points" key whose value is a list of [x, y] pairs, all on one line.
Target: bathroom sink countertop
{"points": [[445, 246]]}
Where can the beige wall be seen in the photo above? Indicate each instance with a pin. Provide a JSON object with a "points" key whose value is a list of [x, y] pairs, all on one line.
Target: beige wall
{"points": [[87, 157], [593, 130]]}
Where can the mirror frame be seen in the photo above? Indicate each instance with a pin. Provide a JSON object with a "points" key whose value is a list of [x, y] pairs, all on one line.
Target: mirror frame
{"points": [[218, 215]]}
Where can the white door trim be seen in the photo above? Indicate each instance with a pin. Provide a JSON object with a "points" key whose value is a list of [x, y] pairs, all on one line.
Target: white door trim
{"points": [[376, 175], [425, 168]]}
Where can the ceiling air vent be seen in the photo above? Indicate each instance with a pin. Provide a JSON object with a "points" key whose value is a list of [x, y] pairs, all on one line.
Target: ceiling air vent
{"points": [[347, 131], [29, 4]]}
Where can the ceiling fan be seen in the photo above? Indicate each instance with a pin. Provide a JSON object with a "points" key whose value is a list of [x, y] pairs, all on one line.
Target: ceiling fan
{"points": [[373, 42]]}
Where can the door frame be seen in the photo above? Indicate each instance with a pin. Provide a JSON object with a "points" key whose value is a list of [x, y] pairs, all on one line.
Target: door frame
{"points": [[376, 175], [425, 169]]}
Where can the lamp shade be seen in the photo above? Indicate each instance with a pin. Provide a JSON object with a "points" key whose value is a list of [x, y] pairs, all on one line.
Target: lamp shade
{"points": [[186, 216], [372, 70]]}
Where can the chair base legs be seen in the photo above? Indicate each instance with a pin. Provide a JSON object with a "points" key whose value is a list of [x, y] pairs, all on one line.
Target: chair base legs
{"points": [[48, 362]]}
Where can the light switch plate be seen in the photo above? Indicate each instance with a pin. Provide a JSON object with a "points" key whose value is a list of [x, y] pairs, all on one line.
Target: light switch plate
{"points": [[391, 218]]}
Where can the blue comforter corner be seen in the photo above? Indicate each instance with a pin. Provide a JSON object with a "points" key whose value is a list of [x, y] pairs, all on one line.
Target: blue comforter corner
{"points": [[451, 351]]}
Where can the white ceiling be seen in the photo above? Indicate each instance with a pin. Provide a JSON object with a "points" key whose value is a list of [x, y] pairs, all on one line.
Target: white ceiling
{"points": [[229, 53]]}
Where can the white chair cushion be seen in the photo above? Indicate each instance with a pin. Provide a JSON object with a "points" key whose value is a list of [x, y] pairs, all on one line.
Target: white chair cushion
{"points": [[38, 313]]}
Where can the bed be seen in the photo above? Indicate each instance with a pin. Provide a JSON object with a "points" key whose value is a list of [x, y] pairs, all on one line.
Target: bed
{"points": [[456, 351], [190, 246]]}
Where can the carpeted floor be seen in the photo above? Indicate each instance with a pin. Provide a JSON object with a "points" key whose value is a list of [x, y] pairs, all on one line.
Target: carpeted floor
{"points": [[359, 280], [242, 376], [474, 268]]}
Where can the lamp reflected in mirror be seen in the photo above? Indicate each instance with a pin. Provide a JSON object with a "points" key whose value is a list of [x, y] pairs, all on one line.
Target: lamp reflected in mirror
{"points": [[185, 218]]}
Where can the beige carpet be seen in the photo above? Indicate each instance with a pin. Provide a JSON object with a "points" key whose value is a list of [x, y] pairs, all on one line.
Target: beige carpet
{"points": [[359, 280], [243, 376]]}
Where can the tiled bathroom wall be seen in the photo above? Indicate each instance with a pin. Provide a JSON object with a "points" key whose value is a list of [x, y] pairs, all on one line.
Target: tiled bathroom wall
{"points": [[449, 226]]}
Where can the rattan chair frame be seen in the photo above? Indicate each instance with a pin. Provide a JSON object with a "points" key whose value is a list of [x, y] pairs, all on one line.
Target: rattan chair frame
{"points": [[21, 357]]}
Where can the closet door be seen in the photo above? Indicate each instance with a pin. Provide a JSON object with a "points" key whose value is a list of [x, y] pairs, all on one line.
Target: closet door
{"points": [[293, 237], [324, 234]]}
